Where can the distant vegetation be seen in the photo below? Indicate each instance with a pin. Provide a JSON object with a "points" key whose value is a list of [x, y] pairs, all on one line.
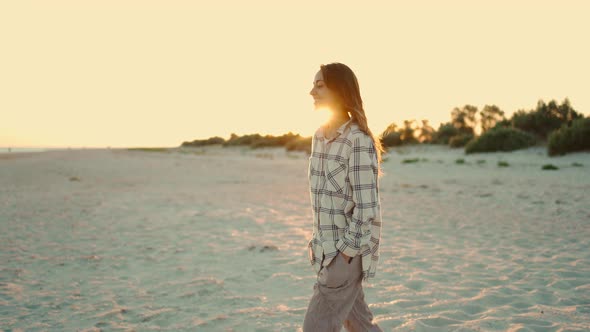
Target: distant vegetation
{"points": [[570, 138], [292, 142], [501, 139], [545, 118], [558, 126], [550, 167], [150, 149]]}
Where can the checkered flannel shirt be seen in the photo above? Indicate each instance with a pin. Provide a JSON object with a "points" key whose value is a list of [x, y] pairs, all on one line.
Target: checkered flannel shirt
{"points": [[345, 201]]}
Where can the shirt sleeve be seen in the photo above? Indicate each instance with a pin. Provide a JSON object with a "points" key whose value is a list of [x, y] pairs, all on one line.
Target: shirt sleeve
{"points": [[362, 174]]}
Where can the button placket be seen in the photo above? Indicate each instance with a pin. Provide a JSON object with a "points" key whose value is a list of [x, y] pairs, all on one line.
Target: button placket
{"points": [[320, 189]]}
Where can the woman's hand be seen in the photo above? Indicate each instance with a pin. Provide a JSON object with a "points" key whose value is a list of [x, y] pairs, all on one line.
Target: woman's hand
{"points": [[343, 254]]}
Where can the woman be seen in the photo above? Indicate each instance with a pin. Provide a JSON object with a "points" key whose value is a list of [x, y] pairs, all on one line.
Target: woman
{"points": [[343, 173]]}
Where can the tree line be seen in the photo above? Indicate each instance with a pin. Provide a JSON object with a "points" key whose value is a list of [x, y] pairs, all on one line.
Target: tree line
{"points": [[557, 125]]}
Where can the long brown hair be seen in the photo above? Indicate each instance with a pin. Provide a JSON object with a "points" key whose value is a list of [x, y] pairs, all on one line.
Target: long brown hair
{"points": [[341, 80]]}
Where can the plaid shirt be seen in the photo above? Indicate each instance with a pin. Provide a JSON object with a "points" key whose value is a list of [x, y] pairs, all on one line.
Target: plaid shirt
{"points": [[345, 201]]}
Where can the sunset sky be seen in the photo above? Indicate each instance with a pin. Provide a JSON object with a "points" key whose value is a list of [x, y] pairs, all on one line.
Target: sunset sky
{"points": [[157, 73]]}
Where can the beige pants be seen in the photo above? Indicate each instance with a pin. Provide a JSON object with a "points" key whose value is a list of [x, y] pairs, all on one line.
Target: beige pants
{"points": [[338, 299]]}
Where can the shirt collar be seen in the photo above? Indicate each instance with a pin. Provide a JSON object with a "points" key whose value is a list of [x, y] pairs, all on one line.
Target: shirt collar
{"points": [[340, 130]]}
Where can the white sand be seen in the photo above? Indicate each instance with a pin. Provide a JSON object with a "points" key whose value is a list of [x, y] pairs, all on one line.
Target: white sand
{"points": [[216, 241]]}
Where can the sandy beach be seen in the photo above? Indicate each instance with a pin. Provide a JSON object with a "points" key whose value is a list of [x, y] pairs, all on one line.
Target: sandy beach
{"points": [[214, 239]]}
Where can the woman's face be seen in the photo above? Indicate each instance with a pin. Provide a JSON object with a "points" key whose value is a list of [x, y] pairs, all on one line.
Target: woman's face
{"points": [[323, 97]]}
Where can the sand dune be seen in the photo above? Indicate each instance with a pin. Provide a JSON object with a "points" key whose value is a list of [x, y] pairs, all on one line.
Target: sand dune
{"points": [[214, 239]]}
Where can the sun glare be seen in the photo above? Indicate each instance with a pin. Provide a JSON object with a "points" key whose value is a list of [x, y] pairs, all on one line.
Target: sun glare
{"points": [[323, 115]]}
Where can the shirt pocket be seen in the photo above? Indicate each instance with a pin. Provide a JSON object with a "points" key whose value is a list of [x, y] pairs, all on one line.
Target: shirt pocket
{"points": [[335, 177]]}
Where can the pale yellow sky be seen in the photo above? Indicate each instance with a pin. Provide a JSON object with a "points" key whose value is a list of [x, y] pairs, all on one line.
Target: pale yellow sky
{"points": [[157, 73]]}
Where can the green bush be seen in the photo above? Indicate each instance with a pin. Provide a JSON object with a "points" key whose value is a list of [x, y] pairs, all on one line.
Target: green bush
{"points": [[299, 144], [392, 139], [150, 149], [236, 140], [444, 133], [204, 142], [545, 118], [549, 167], [500, 139], [501, 124], [503, 164], [570, 138], [461, 140]]}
